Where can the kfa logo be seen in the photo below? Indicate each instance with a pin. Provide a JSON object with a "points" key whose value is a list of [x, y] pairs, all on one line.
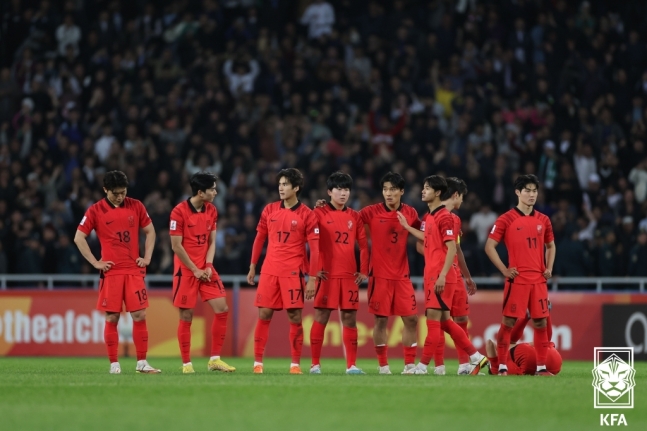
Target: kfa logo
{"points": [[613, 378], [613, 419]]}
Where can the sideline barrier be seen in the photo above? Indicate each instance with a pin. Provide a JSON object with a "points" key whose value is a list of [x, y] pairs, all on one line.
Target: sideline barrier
{"points": [[65, 323]]}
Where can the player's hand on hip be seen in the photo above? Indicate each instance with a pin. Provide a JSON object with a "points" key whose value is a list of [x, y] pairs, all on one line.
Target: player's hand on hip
{"points": [[402, 219], [103, 265], [547, 274], [320, 203], [360, 278], [310, 288], [322, 275], [141, 262], [510, 273], [250, 276], [471, 286], [439, 287]]}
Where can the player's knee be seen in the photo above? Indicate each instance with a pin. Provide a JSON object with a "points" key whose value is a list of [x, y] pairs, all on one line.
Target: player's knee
{"points": [[139, 315], [186, 314], [381, 322], [509, 321], [349, 320], [322, 316], [410, 321], [294, 316], [539, 323], [460, 319], [112, 317], [265, 313]]}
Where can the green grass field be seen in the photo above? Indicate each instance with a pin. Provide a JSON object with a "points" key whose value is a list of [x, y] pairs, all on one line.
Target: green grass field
{"points": [[79, 394]]}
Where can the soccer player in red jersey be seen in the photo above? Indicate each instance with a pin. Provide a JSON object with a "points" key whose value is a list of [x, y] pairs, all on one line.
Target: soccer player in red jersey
{"points": [[193, 239], [528, 236], [390, 292], [340, 228], [439, 277], [288, 225], [452, 200], [116, 221]]}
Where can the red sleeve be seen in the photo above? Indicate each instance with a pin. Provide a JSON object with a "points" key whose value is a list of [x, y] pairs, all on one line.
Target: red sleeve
{"points": [[360, 233], [371, 122], [88, 222], [176, 227], [262, 222], [457, 227], [399, 126], [312, 236], [414, 221], [365, 215], [499, 228], [446, 228], [548, 231], [215, 218], [144, 218], [257, 248]]}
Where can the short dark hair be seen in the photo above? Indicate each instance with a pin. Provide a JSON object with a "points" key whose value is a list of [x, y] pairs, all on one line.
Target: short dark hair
{"points": [[437, 183], [454, 185], [201, 181], [395, 179], [294, 177], [339, 180], [115, 180], [523, 180]]}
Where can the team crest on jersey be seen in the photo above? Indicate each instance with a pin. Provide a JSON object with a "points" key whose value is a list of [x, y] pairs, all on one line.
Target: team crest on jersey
{"points": [[350, 225], [538, 228], [422, 226], [294, 226], [104, 303], [131, 221]]}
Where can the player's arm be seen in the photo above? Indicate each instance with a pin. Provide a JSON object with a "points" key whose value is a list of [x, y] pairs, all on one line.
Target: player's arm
{"points": [[551, 251], [149, 245], [82, 243], [462, 265], [413, 231], [493, 255], [420, 247], [313, 243], [257, 248], [211, 253], [362, 241], [449, 260], [180, 252]]}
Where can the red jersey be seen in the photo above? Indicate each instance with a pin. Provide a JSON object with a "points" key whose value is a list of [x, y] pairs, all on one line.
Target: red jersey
{"points": [[288, 230], [389, 258], [118, 231], [195, 228], [439, 227], [339, 230], [525, 237], [458, 231]]}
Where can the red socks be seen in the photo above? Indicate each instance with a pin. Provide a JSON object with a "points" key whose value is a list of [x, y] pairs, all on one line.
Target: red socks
{"points": [[140, 339], [261, 333], [350, 343], [381, 355], [439, 355], [410, 354], [460, 339], [111, 338], [463, 358], [541, 345], [184, 338], [296, 341], [316, 341], [431, 341], [218, 331], [503, 343]]}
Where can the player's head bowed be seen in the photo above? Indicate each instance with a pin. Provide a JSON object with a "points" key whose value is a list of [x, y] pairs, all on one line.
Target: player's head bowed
{"points": [[202, 182], [114, 180]]}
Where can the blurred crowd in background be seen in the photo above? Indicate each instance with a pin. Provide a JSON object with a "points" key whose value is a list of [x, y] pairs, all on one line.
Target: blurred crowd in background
{"points": [[481, 90]]}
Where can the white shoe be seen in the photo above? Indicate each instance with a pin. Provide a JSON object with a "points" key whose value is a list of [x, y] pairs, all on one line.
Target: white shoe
{"points": [[354, 370], [439, 370], [463, 369], [144, 368], [315, 369], [115, 368], [384, 370], [413, 369], [478, 363]]}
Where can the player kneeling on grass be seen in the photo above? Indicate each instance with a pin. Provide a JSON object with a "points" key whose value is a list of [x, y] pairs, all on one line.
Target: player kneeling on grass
{"points": [[341, 227], [287, 225], [522, 357], [117, 220], [439, 249], [528, 237], [193, 239]]}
